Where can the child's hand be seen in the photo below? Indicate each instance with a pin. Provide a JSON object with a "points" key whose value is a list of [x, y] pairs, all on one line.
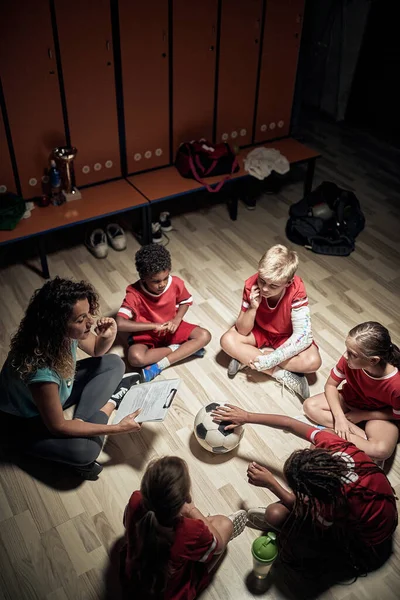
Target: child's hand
{"points": [[187, 508], [106, 328], [260, 476], [160, 328], [343, 427], [172, 326], [228, 412], [255, 296]]}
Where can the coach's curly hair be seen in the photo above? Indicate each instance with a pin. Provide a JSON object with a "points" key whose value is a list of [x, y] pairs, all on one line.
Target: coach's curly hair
{"points": [[152, 259], [317, 478], [41, 340]]}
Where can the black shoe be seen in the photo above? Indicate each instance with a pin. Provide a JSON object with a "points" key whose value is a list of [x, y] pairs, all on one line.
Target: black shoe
{"points": [[249, 202], [165, 221], [89, 472], [127, 381]]}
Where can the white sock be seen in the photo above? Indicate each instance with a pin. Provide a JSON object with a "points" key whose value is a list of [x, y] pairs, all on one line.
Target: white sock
{"points": [[112, 402], [163, 363], [174, 347]]}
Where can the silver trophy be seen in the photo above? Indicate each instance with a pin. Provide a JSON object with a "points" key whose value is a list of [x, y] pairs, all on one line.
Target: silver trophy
{"points": [[65, 155]]}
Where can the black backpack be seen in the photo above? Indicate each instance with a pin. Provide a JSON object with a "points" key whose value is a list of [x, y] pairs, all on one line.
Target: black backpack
{"points": [[333, 234]]}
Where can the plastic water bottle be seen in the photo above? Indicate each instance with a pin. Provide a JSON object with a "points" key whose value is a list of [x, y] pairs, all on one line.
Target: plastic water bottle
{"points": [[55, 182]]}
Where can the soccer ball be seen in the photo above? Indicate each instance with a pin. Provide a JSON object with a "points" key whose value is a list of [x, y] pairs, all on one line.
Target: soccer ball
{"points": [[212, 436]]}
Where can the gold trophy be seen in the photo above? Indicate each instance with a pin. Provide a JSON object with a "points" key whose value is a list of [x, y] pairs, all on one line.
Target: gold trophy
{"points": [[65, 155]]}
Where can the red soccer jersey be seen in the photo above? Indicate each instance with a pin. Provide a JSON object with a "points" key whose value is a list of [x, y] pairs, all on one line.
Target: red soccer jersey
{"points": [[144, 307], [194, 546], [365, 392], [374, 518], [277, 320]]}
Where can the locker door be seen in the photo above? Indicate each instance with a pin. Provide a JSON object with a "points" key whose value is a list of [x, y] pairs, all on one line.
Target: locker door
{"points": [[194, 40], [282, 32], [7, 182], [238, 63], [86, 47], [145, 82], [31, 91]]}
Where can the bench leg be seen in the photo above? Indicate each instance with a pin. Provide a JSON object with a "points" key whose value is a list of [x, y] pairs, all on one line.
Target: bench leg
{"points": [[233, 206], [146, 224], [43, 258], [308, 181]]}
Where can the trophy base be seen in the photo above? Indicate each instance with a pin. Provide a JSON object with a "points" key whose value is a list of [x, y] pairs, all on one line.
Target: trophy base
{"points": [[74, 195]]}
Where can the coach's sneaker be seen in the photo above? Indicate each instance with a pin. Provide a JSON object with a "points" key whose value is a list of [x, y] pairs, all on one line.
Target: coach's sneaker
{"points": [[256, 517], [165, 221], [239, 519], [233, 367], [151, 372], [293, 382], [127, 381], [156, 233]]}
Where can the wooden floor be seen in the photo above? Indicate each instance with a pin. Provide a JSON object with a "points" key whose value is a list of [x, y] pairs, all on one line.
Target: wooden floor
{"points": [[55, 539]]}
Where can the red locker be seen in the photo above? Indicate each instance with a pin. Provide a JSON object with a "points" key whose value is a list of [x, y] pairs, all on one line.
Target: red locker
{"points": [[7, 182], [145, 82], [86, 46], [194, 44], [238, 63], [282, 32], [31, 90]]}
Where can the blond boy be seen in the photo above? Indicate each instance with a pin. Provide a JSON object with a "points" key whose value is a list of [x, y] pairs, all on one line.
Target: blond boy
{"points": [[273, 330]]}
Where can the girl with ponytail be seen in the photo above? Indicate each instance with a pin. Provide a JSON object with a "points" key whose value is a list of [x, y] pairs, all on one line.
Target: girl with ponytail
{"points": [[169, 543], [369, 370]]}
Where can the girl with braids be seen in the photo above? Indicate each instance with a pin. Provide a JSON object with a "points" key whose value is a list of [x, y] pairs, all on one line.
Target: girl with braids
{"points": [[41, 378], [338, 496], [371, 392], [170, 546]]}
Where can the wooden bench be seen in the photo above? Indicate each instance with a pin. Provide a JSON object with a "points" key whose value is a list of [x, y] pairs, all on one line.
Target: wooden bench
{"points": [[141, 191], [166, 183], [99, 201]]}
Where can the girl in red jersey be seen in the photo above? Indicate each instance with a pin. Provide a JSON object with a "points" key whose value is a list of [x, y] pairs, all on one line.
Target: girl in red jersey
{"points": [[340, 503], [170, 546], [371, 392]]}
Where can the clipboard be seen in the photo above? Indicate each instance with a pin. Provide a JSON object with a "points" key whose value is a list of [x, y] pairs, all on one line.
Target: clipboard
{"points": [[154, 398]]}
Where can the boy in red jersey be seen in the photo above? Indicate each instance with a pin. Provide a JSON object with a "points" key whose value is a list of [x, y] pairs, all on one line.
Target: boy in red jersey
{"points": [[152, 314], [273, 330]]}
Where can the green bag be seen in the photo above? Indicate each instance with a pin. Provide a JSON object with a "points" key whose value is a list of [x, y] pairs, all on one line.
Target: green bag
{"points": [[12, 207]]}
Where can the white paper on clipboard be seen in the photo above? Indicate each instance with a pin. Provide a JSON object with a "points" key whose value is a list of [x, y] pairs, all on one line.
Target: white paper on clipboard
{"points": [[153, 398]]}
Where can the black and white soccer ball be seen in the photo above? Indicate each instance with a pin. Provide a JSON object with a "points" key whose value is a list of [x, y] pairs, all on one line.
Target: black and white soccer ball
{"points": [[212, 436]]}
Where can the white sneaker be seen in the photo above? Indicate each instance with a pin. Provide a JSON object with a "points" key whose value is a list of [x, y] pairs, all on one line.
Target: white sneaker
{"points": [[239, 519], [165, 221], [97, 243], [297, 384], [156, 233], [256, 517], [116, 236]]}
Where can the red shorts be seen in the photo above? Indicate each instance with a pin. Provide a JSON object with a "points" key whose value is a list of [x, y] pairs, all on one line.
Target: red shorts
{"points": [[152, 340], [266, 339]]}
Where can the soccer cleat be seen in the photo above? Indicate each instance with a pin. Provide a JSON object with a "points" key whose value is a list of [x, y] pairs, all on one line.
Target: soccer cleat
{"points": [[165, 221], [239, 519], [127, 381], [151, 372], [199, 353], [256, 518], [156, 233], [233, 367], [293, 382]]}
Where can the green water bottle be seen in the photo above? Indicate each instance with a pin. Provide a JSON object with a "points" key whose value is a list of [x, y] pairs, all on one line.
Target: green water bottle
{"points": [[264, 551]]}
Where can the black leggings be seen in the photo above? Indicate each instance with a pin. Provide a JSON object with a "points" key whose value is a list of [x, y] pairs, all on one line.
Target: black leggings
{"points": [[94, 383]]}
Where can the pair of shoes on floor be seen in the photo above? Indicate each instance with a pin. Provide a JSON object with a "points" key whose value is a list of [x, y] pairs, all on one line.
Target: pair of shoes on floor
{"points": [[127, 381], [99, 240], [163, 225], [152, 371]]}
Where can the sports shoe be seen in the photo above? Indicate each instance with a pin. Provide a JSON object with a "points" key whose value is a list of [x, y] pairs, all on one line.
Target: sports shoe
{"points": [[151, 372], [249, 202], [233, 367], [239, 519], [165, 221], [256, 517], [89, 472], [293, 382], [116, 236], [156, 233], [127, 381], [199, 353], [379, 463], [97, 243]]}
